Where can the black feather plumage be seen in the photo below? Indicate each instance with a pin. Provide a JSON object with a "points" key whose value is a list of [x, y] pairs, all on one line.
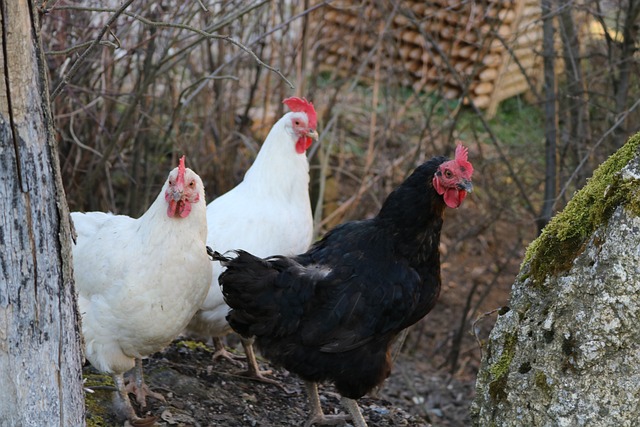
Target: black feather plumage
{"points": [[332, 313]]}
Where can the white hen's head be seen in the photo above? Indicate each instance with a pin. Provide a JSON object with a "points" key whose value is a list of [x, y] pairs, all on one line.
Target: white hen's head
{"points": [[302, 122], [184, 188]]}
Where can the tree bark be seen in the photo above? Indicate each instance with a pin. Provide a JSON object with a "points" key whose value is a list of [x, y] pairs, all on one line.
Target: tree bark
{"points": [[565, 351], [578, 133], [550, 114], [624, 66], [40, 353]]}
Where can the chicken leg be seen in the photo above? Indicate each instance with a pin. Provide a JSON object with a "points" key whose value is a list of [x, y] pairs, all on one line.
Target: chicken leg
{"points": [[253, 370], [140, 388], [317, 416], [222, 353], [118, 380], [354, 410]]}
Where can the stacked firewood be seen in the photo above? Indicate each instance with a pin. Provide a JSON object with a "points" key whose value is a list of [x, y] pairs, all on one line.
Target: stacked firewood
{"points": [[481, 51]]}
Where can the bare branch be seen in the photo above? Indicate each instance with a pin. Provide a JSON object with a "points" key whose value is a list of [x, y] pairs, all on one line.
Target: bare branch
{"points": [[157, 24], [81, 46], [76, 65], [589, 153], [257, 39]]}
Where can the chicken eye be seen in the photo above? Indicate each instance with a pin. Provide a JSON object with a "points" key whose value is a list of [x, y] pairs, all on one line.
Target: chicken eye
{"points": [[192, 184], [448, 173], [297, 122]]}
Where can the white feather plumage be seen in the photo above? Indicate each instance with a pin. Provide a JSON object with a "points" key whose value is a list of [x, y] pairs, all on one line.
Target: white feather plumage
{"points": [[268, 213], [139, 281]]}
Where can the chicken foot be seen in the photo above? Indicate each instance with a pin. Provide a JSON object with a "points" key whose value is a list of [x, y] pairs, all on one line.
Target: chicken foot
{"points": [[317, 416], [354, 410], [140, 388], [222, 353], [253, 371], [118, 380]]}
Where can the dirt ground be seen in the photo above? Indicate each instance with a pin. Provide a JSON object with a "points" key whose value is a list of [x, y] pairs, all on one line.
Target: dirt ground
{"points": [[200, 392]]}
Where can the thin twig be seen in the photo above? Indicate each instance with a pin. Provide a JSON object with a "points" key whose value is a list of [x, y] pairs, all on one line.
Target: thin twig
{"points": [[587, 156], [259, 38], [204, 8], [81, 46], [226, 20], [371, 147], [324, 157], [478, 319], [213, 36], [198, 31], [77, 141], [76, 66], [340, 212]]}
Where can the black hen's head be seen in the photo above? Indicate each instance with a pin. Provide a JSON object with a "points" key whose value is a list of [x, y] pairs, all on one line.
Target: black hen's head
{"points": [[452, 179], [437, 183]]}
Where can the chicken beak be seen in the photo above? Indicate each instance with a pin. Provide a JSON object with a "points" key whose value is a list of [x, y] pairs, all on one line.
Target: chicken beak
{"points": [[176, 194], [465, 185], [313, 134]]}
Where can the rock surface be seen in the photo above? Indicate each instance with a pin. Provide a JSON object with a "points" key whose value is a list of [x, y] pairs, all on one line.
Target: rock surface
{"points": [[566, 350]]}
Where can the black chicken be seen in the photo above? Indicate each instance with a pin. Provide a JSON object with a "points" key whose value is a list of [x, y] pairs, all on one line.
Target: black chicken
{"points": [[332, 313]]}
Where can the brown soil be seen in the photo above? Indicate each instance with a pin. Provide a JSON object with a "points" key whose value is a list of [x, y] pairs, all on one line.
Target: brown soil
{"points": [[200, 392]]}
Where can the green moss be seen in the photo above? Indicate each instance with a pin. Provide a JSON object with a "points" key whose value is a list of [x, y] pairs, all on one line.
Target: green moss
{"points": [[497, 389], [540, 380], [500, 370], [193, 345], [502, 365], [566, 234], [98, 403], [92, 380], [633, 203]]}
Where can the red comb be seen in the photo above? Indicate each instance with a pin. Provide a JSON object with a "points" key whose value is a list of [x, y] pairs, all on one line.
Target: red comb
{"points": [[301, 105], [181, 170], [462, 154]]}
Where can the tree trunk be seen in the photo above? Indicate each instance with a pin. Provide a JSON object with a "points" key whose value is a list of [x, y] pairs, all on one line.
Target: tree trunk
{"points": [[624, 65], [40, 359], [550, 115], [566, 350], [578, 133]]}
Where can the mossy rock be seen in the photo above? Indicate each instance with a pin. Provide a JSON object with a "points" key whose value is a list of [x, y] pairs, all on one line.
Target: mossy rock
{"points": [[567, 233]]}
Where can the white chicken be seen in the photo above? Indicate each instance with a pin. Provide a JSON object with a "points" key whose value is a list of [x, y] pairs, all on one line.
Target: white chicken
{"points": [[140, 281], [268, 213]]}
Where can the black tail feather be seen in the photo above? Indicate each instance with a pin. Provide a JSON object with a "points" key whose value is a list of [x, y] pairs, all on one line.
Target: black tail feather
{"points": [[217, 256], [251, 288]]}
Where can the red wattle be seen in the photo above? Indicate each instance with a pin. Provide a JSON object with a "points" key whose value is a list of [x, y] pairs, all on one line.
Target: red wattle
{"points": [[180, 209], [171, 209], [302, 144], [184, 209], [454, 197], [451, 198]]}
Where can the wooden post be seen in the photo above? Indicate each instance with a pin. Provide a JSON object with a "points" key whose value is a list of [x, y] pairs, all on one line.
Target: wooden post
{"points": [[40, 352]]}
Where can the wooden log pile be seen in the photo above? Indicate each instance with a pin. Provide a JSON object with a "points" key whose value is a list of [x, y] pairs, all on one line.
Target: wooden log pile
{"points": [[483, 51]]}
